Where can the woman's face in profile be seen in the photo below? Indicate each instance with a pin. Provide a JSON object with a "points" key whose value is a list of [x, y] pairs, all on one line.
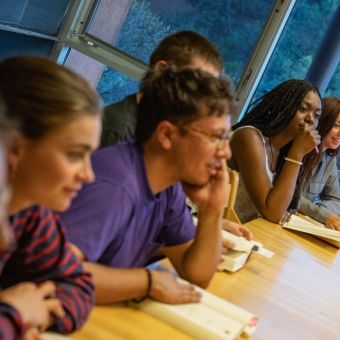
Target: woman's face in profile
{"points": [[52, 169], [308, 112], [332, 138]]}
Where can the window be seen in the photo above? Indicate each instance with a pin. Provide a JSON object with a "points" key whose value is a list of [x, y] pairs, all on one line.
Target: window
{"points": [[298, 44], [41, 16], [30, 27], [114, 86], [13, 44], [139, 26], [333, 89]]}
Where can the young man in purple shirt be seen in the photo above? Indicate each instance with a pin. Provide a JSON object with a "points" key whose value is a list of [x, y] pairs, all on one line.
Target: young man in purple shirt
{"points": [[136, 205]]}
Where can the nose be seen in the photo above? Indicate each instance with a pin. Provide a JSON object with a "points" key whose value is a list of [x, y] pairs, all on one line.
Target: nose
{"points": [[224, 150], [311, 118], [87, 175]]}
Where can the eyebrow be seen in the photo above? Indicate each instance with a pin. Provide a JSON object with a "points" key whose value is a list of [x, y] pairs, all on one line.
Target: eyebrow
{"points": [[84, 146], [310, 104]]}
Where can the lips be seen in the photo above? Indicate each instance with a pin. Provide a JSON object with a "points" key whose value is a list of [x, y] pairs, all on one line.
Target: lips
{"points": [[335, 141], [214, 167], [72, 192]]}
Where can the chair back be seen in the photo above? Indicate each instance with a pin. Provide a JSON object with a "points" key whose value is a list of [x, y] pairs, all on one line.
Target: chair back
{"points": [[229, 212]]}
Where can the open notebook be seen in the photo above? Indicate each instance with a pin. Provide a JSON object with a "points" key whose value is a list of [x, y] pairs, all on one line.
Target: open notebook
{"points": [[212, 318], [238, 256], [310, 226]]}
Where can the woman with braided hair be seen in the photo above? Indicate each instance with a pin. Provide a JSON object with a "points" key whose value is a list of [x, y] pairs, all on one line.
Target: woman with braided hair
{"points": [[269, 146]]}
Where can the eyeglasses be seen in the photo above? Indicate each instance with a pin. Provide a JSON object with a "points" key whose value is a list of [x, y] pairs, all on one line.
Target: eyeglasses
{"points": [[219, 140]]}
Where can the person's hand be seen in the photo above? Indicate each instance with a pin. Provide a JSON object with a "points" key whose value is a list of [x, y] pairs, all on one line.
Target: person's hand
{"points": [[306, 140], [34, 303], [214, 194], [285, 218], [33, 333], [333, 222], [166, 289], [237, 229]]}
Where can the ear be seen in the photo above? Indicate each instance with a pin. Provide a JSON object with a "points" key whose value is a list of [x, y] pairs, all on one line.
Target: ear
{"points": [[166, 133], [161, 65], [15, 152]]}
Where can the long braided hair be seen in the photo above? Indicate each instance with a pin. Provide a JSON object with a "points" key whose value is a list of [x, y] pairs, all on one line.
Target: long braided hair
{"points": [[272, 113]]}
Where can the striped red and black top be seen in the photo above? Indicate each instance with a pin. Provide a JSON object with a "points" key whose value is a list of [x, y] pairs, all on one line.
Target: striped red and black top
{"points": [[41, 253]]}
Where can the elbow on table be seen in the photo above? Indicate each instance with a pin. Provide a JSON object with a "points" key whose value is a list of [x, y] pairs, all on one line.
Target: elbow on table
{"points": [[273, 217], [200, 282], [203, 284]]}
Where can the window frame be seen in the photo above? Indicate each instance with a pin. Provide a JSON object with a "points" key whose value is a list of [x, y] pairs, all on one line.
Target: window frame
{"points": [[74, 35]]}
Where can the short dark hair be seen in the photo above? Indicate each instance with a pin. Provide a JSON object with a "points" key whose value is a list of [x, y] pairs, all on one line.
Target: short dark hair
{"points": [[180, 48], [178, 95], [272, 112]]}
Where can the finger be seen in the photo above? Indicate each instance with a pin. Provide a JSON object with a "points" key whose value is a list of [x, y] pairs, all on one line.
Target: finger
{"points": [[285, 218], [33, 333], [55, 307], [191, 297], [47, 288], [330, 226], [188, 296], [222, 171], [221, 259], [185, 286], [246, 233], [228, 244], [224, 251]]}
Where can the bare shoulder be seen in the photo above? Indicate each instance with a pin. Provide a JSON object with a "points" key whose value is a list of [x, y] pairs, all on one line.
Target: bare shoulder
{"points": [[247, 134], [246, 138], [247, 148]]}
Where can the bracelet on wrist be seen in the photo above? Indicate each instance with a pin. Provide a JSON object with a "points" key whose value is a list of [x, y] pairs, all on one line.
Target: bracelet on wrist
{"points": [[291, 160], [148, 289]]}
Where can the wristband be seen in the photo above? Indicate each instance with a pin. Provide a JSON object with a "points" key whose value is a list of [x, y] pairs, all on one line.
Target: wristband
{"points": [[291, 160], [148, 289]]}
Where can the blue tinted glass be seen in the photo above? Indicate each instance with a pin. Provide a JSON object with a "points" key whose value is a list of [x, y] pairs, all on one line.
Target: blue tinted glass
{"points": [[114, 86], [137, 27], [43, 16], [12, 44], [298, 45], [333, 89]]}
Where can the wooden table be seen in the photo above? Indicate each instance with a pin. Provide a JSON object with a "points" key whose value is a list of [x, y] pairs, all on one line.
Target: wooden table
{"points": [[296, 294]]}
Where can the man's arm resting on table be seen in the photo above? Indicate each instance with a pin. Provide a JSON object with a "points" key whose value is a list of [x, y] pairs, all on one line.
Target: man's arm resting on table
{"points": [[116, 284], [197, 260]]}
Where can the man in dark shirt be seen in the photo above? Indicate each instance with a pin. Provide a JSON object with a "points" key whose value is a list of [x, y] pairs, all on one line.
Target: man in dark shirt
{"points": [[182, 49]]}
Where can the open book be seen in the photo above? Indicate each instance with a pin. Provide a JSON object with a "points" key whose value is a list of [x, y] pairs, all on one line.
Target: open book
{"points": [[238, 256], [211, 318], [310, 226], [54, 336]]}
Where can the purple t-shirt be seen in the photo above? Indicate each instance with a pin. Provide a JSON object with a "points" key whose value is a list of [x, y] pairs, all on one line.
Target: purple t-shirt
{"points": [[117, 220]]}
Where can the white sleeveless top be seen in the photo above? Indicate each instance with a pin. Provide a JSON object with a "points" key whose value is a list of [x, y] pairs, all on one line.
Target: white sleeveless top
{"points": [[244, 206]]}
